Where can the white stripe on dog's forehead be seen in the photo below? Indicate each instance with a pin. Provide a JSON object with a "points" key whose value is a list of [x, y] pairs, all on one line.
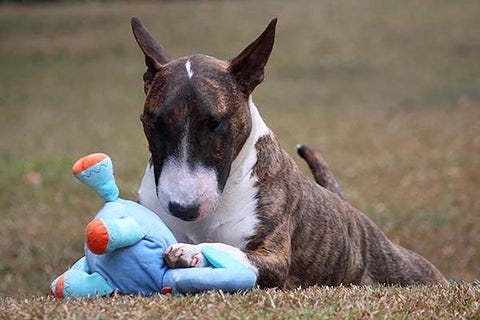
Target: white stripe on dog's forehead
{"points": [[188, 66], [183, 157]]}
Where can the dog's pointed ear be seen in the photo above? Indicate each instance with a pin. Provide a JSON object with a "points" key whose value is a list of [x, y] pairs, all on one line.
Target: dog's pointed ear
{"points": [[155, 55], [248, 68]]}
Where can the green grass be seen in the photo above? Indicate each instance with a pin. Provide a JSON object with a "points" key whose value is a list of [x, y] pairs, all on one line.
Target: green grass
{"points": [[388, 91]]}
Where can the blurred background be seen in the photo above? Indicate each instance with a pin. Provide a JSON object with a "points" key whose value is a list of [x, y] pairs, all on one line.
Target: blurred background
{"points": [[389, 91]]}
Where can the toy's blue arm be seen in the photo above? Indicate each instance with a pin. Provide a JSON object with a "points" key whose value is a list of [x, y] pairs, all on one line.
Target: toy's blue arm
{"points": [[106, 235], [221, 259], [227, 274]]}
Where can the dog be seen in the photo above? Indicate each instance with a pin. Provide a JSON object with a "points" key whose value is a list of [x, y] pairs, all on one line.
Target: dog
{"points": [[219, 175]]}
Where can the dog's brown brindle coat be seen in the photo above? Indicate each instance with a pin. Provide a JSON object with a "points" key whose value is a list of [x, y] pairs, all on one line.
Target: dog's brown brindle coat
{"points": [[320, 238]]}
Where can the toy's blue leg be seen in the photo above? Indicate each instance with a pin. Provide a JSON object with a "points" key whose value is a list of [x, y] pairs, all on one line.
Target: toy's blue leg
{"points": [[78, 284], [194, 280], [106, 235], [81, 265], [96, 170]]}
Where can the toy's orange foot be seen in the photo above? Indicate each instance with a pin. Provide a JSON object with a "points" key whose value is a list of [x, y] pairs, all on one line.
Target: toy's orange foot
{"points": [[57, 290], [88, 161], [80, 284], [167, 290], [97, 236]]}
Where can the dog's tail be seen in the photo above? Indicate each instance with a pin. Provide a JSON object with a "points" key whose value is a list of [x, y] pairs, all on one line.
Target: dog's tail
{"points": [[321, 172]]}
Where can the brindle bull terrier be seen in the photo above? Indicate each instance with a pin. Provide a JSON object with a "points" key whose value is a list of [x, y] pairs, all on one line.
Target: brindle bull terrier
{"points": [[217, 174]]}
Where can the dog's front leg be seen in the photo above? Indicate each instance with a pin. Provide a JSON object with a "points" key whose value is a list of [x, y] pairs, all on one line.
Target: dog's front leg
{"points": [[184, 255], [271, 257]]}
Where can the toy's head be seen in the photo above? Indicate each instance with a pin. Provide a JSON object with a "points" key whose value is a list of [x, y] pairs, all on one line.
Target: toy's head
{"points": [[96, 170]]}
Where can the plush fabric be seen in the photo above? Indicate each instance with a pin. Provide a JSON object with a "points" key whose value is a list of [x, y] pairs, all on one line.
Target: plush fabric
{"points": [[124, 249]]}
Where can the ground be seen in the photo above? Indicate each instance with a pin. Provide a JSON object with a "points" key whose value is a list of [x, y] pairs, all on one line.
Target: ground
{"points": [[388, 91], [422, 302]]}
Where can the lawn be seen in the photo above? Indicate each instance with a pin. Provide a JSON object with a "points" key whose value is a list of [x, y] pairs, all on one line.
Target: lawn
{"points": [[424, 302], [388, 91]]}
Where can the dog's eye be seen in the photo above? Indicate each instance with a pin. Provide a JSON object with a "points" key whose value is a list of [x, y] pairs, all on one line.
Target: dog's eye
{"points": [[213, 124]]}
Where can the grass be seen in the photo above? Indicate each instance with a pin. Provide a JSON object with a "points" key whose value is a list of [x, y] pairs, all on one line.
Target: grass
{"points": [[423, 302], [388, 91]]}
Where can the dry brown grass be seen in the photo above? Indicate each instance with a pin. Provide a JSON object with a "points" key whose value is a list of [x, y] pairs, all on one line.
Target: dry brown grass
{"points": [[460, 301], [389, 92]]}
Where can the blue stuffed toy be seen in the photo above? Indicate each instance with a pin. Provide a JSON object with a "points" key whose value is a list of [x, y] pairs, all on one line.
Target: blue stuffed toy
{"points": [[125, 245]]}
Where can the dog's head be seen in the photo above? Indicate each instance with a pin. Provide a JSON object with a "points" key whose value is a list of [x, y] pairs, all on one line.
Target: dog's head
{"points": [[196, 119]]}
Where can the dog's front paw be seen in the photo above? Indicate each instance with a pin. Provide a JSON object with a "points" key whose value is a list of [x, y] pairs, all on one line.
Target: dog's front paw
{"points": [[183, 255]]}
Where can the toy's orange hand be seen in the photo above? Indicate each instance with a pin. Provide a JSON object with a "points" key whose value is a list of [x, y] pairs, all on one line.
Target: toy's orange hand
{"points": [[97, 236], [87, 161]]}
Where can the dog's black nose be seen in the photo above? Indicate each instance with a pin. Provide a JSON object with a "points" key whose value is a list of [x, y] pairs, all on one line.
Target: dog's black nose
{"points": [[187, 213]]}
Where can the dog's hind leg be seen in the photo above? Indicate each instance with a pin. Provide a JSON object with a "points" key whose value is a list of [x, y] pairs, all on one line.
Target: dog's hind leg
{"points": [[321, 173]]}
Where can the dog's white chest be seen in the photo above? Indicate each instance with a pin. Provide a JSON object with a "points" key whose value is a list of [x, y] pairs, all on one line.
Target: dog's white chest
{"points": [[233, 222]]}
